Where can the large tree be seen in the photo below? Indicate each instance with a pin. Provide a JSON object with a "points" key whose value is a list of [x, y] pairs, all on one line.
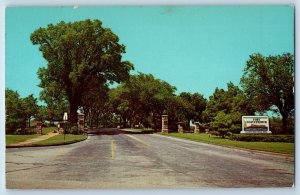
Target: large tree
{"points": [[192, 106], [14, 112], [19, 110], [76, 53], [94, 102], [30, 107], [142, 99], [226, 107], [269, 81], [56, 104]]}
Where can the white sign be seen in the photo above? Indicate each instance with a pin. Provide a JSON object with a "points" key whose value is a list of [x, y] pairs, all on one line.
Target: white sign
{"points": [[65, 118], [255, 124]]}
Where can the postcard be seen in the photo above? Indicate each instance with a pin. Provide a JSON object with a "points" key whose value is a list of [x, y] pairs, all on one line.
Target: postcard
{"points": [[139, 97]]}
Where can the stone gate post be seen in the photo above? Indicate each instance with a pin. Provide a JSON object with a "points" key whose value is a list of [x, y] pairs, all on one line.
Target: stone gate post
{"points": [[80, 122], [197, 127], [180, 127], [39, 126], [164, 125]]}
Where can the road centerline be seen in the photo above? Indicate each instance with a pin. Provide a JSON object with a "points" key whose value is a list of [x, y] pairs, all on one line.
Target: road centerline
{"points": [[112, 150]]}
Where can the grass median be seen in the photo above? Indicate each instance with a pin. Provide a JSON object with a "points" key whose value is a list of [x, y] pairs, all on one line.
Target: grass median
{"points": [[14, 139], [278, 147], [62, 139], [46, 130]]}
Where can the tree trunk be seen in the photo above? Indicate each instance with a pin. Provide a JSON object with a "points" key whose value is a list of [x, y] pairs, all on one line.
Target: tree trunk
{"points": [[124, 122], [73, 112], [154, 122], [284, 123], [52, 122]]}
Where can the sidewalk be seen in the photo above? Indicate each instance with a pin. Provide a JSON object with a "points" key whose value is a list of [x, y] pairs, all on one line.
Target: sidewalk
{"points": [[40, 138]]}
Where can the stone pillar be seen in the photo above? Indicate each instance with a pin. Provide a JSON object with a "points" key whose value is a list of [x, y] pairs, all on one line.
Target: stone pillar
{"points": [[164, 123], [180, 127], [39, 126], [197, 127], [81, 122]]}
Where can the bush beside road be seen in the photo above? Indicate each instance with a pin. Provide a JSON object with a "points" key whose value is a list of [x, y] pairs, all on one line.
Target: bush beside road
{"points": [[277, 147]]}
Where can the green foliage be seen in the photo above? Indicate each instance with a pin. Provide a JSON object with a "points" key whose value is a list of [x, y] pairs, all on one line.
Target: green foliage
{"points": [[222, 120], [279, 147], [18, 111], [79, 53], [191, 107], [276, 125], [142, 100], [14, 112], [56, 103], [74, 129], [215, 133], [96, 104], [262, 138], [269, 81], [30, 107], [235, 129], [225, 108], [221, 132]]}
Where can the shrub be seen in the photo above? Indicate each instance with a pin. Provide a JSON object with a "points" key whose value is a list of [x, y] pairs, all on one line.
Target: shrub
{"points": [[235, 129], [25, 132], [262, 138], [74, 129], [223, 132], [215, 133]]}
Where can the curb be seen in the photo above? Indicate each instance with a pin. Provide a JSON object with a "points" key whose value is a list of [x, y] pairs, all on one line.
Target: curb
{"points": [[46, 145]]}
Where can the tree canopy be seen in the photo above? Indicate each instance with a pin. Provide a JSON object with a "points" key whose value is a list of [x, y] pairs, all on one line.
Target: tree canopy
{"points": [[225, 108], [269, 81], [18, 110], [191, 106], [78, 52], [142, 99]]}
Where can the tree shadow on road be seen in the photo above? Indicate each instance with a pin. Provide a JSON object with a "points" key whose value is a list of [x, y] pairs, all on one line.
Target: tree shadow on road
{"points": [[113, 131]]}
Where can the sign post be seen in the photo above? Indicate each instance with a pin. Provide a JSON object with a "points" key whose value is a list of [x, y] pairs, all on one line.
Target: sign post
{"points": [[255, 124]]}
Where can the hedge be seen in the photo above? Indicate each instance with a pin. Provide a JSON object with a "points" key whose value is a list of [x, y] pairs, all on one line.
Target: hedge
{"points": [[262, 138]]}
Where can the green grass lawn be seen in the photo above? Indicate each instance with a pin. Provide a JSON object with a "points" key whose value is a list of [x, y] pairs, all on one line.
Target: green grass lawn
{"points": [[13, 139], [279, 147], [59, 139], [46, 130]]}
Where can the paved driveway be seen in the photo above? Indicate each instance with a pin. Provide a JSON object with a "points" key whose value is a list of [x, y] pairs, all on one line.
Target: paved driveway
{"points": [[112, 159]]}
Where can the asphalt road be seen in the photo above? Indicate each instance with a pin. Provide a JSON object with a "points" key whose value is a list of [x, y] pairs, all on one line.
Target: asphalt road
{"points": [[112, 159]]}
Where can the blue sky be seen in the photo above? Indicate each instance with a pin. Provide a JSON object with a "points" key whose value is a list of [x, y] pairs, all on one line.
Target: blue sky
{"points": [[193, 48]]}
